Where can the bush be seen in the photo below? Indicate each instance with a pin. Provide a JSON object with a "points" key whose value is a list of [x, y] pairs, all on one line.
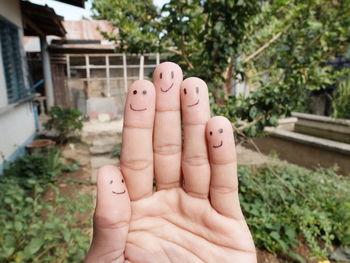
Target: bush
{"points": [[35, 228], [341, 100], [263, 107], [284, 203], [43, 166], [66, 122]]}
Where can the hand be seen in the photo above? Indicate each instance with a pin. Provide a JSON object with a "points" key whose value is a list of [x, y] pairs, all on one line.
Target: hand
{"points": [[194, 214]]}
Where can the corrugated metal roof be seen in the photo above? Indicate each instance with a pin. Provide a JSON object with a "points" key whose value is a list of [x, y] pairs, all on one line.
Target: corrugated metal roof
{"points": [[87, 29]]}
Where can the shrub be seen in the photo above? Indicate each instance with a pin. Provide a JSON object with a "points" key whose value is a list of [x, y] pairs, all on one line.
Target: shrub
{"points": [[341, 100], [38, 224], [66, 122], [37, 230], [284, 203], [43, 166]]}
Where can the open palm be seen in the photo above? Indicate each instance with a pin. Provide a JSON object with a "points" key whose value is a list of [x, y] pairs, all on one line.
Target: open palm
{"points": [[194, 214]]}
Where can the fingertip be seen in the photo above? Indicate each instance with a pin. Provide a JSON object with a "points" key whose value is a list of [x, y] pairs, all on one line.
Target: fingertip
{"points": [[220, 140], [167, 78], [140, 104], [194, 101], [111, 188]]}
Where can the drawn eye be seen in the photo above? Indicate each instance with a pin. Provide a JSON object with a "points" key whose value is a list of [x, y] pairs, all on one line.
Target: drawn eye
{"points": [[172, 74], [122, 180], [135, 92], [221, 130], [197, 90], [111, 182], [160, 75], [211, 133], [185, 91], [144, 92]]}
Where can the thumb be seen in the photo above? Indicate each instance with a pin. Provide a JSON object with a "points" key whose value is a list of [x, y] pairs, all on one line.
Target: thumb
{"points": [[111, 218]]}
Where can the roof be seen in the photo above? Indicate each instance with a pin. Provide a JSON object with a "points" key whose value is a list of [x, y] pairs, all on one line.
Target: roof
{"points": [[88, 29], [85, 36], [82, 36], [78, 3], [41, 20]]}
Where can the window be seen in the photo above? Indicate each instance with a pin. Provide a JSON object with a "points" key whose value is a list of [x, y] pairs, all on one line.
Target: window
{"points": [[12, 62]]}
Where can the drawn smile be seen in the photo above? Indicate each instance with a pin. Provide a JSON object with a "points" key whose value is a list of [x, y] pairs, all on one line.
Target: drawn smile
{"points": [[217, 146], [168, 88], [118, 193], [193, 104], [137, 109]]}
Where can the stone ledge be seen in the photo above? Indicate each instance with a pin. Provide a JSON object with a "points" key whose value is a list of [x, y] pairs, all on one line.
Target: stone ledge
{"points": [[343, 148], [319, 118]]}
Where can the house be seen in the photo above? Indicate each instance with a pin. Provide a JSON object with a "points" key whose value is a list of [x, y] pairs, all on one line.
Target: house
{"points": [[89, 75], [17, 114]]}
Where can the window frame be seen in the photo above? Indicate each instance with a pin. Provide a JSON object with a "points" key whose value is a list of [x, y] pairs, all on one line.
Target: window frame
{"points": [[13, 60]]}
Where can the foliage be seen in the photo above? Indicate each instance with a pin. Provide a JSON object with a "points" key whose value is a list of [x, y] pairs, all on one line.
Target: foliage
{"points": [[135, 22], [35, 229], [38, 223], [262, 108], [283, 203], [341, 100], [202, 36], [117, 151], [66, 122], [43, 166], [280, 49]]}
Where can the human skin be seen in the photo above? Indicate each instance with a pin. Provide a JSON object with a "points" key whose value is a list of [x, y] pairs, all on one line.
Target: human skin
{"points": [[193, 214]]}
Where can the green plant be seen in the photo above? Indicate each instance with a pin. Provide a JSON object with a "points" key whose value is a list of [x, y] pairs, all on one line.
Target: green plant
{"points": [[284, 204], [281, 49], [117, 150], [341, 100], [66, 122], [44, 166], [37, 229], [261, 108]]}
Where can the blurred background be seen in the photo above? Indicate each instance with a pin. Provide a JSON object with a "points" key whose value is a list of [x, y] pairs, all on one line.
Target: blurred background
{"points": [[279, 70]]}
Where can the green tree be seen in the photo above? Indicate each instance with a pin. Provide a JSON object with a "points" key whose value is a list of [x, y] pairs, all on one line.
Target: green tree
{"points": [[202, 36], [281, 49]]}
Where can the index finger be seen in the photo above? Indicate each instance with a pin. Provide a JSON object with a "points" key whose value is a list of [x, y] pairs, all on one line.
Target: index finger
{"points": [[136, 160]]}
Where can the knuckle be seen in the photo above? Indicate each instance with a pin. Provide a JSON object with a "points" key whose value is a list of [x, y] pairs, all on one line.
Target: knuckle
{"points": [[136, 164], [167, 149], [224, 189], [196, 160]]}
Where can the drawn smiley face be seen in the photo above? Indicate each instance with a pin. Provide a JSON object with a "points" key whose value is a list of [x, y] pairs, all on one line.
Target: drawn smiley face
{"points": [[167, 76], [114, 185], [194, 91], [140, 104], [194, 101], [141, 96], [135, 92], [197, 92], [219, 131]]}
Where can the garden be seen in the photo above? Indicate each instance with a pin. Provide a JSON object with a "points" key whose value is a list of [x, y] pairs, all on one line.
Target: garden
{"points": [[282, 52]]}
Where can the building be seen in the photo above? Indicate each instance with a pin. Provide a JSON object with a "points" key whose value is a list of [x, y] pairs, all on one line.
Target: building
{"points": [[17, 114], [89, 75]]}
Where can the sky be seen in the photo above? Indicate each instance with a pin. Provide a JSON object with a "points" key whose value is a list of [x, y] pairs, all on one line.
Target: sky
{"points": [[70, 12]]}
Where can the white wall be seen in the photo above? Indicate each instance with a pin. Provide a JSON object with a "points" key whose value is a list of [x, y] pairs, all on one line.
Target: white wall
{"points": [[11, 10], [17, 126]]}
